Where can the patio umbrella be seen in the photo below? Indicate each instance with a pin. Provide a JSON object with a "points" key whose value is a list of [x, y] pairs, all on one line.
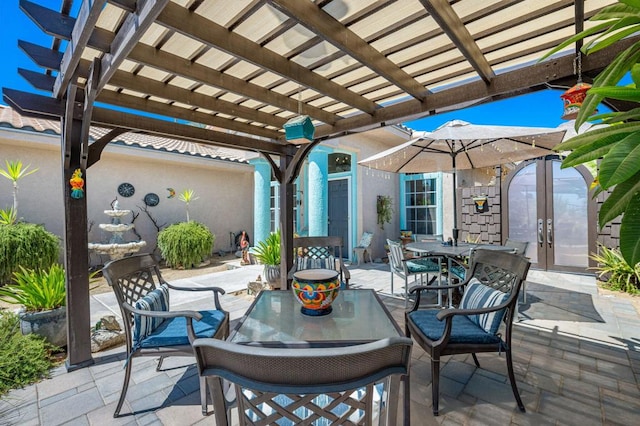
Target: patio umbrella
{"points": [[458, 145]]}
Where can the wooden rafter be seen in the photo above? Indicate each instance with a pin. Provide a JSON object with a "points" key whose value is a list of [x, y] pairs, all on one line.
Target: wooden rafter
{"points": [[331, 30], [452, 25]]}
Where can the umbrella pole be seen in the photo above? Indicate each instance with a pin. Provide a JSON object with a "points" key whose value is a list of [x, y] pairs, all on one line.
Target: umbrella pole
{"points": [[455, 231]]}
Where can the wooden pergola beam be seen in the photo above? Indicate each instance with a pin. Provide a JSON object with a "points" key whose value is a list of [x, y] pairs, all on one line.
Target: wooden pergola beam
{"points": [[442, 12], [61, 26], [331, 30], [198, 27]]}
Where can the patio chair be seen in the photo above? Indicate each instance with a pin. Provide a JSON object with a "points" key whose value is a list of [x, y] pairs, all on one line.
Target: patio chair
{"points": [[306, 386], [519, 247], [150, 328], [490, 296], [362, 249], [414, 267], [319, 252]]}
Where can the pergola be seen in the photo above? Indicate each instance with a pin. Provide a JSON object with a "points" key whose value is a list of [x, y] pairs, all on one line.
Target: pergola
{"points": [[239, 70]]}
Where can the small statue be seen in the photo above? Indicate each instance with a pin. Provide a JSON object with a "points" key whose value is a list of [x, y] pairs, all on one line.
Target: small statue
{"points": [[77, 185], [244, 246]]}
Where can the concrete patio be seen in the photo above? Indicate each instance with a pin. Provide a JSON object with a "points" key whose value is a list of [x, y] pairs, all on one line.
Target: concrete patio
{"points": [[576, 356]]}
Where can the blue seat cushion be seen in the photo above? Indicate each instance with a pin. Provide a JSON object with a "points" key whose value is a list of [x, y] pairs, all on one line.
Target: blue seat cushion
{"points": [[417, 266], [458, 271], [463, 330], [173, 331]]}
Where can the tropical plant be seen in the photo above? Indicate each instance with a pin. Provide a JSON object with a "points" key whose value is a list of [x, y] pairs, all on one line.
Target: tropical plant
{"points": [[187, 196], [384, 209], [617, 144], [28, 245], [8, 216], [24, 359], [614, 271], [36, 290], [185, 244], [14, 172], [267, 252]]}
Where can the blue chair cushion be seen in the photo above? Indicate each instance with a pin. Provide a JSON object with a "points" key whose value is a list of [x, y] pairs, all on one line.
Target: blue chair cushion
{"points": [[477, 295], [155, 300], [463, 330], [422, 266], [458, 271], [173, 331]]}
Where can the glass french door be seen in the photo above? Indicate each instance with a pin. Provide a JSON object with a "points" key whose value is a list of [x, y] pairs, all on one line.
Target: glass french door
{"points": [[339, 212], [551, 208]]}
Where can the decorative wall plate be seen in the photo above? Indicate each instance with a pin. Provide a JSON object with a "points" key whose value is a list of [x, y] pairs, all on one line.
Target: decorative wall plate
{"points": [[125, 189], [151, 199]]}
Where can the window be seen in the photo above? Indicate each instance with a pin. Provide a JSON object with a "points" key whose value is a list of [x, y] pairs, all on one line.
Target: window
{"points": [[421, 207], [275, 207], [339, 162]]}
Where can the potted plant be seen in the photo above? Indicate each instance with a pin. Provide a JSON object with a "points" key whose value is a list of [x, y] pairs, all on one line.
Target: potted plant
{"points": [[267, 252], [42, 294]]}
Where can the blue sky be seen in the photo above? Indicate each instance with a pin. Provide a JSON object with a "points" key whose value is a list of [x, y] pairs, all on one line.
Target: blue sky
{"points": [[542, 108]]}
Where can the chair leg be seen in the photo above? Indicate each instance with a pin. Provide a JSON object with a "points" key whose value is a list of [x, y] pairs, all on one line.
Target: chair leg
{"points": [[407, 400], [475, 359], [125, 386], [203, 395], [512, 379], [435, 384], [160, 363]]}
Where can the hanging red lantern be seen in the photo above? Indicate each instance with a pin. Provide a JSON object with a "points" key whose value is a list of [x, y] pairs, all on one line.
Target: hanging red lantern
{"points": [[573, 99]]}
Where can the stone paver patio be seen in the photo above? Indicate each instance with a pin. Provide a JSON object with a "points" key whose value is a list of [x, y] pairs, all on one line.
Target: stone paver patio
{"points": [[576, 356]]}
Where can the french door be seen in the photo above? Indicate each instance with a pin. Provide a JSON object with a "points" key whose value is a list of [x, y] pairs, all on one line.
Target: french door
{"points": [[339, 212], [551, 208]]}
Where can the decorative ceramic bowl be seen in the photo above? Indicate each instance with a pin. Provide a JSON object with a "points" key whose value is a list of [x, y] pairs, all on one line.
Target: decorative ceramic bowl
{"points": [[316, 289]]}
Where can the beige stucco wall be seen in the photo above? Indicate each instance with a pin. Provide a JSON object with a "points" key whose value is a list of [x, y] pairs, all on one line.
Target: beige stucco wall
{"points": [[225, 190]]}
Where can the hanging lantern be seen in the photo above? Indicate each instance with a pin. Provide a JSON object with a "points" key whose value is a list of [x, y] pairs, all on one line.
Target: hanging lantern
{"points": [[573, 99], [299, 130]]}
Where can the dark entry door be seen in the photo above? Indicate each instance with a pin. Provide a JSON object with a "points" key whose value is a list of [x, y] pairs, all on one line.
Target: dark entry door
{"points": [[551, 208], [339, 212]]}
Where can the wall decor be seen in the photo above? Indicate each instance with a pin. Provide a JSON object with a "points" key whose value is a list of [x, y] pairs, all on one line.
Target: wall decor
{"points": [[172, 192], [125, 189], [151, 199], [77, 185]]}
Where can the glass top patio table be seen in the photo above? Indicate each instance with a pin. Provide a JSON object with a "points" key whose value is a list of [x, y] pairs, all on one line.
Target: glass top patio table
{"points": [[462, 249], [274, 320]]}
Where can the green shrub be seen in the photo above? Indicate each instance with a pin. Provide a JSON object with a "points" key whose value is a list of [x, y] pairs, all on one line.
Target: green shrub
{"points": [[185, 244], [36, 290], [27, 245], [615, 273], [23, 359], [267, 252]]}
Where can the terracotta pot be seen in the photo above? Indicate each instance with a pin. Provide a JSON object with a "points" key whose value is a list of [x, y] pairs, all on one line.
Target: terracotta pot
{"points": [[52, 325]]}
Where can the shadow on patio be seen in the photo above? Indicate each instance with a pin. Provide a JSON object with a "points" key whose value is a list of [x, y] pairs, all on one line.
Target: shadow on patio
{"points": [[554, 303]]}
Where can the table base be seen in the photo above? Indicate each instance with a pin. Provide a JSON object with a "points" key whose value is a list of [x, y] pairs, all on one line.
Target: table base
{"points": [[316, 312]]}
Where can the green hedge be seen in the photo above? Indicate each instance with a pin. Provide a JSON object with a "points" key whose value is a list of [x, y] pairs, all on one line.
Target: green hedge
{"points": [[185, 244], [27, 245]]}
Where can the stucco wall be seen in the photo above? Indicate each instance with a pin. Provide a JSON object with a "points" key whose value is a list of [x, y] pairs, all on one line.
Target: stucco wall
{"points": [[225, 190]]}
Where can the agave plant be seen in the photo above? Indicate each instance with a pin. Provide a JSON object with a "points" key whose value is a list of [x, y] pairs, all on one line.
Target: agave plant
{"points": [[36, 290], [8, 216], [616, 144], [615, 272]]}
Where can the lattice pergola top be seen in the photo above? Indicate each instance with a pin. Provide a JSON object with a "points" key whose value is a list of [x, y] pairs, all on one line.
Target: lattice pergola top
{"points": [[240, 69]]}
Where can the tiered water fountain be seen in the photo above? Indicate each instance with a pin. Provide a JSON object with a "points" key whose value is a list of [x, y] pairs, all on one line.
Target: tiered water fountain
{"points": [[116, 247]]}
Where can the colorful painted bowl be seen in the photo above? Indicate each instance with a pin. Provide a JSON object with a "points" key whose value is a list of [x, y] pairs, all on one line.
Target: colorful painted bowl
{"points": [[316, 289]]}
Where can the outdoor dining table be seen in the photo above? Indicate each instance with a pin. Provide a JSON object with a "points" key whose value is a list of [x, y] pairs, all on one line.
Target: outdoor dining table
{"points": [[274, 319], [450, 252]]}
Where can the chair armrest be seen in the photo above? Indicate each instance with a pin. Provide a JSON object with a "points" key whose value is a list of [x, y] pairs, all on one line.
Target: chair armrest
{"points": [[291, 271], [345, 271], [162, 314], [451, 312], [217, 291]]}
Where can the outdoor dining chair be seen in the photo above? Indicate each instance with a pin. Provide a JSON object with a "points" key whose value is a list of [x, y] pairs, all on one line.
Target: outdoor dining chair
{"points": [[150, 328], [413, 267], [489, 299], [519, 247], [319, 252], [291, 386]]}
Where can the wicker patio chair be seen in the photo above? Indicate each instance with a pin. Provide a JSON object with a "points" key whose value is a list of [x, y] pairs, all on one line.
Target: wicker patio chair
{"points": [[490, 297], [150, 329], [301, 386]]}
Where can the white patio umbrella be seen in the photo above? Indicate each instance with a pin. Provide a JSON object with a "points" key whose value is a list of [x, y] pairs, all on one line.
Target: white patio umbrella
{"points": [[458, 145]]}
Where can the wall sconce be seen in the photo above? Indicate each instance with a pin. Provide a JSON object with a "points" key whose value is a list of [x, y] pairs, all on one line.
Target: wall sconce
{"points": [[481, 204], [299, 130]]}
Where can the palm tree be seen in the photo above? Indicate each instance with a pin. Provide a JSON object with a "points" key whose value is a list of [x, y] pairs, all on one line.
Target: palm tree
{"points": [[15, 172], [186, 197]]}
